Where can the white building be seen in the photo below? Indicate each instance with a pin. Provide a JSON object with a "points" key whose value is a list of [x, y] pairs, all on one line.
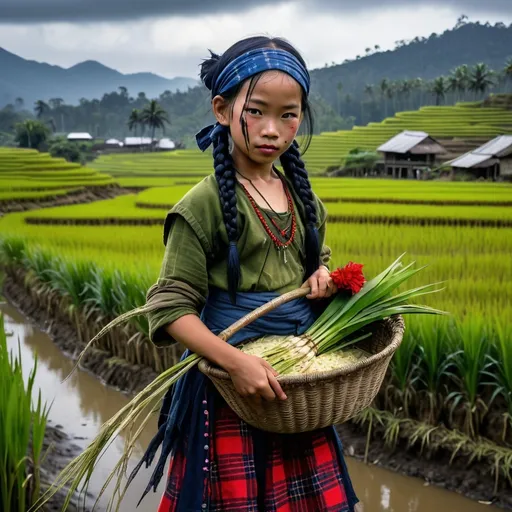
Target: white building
{"points": [[113, 142], [79, 136], [165, 144], [137, 141]]}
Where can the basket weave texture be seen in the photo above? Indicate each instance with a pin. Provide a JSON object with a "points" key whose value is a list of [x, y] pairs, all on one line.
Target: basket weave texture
{"points": [[318, 400]]}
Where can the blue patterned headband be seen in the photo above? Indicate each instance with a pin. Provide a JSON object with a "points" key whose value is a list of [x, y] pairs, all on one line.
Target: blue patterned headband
{"points": [[245, 66]]}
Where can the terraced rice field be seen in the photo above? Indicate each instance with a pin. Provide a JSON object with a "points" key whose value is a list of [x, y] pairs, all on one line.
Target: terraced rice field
{"points": [[28, 174], [327, 149]]}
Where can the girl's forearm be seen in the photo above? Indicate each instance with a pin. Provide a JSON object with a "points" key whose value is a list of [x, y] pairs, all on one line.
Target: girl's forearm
{"points": [[193, 333]]}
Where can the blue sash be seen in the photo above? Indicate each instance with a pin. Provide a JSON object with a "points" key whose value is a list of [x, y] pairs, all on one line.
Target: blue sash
{"points": [[182, 414]]}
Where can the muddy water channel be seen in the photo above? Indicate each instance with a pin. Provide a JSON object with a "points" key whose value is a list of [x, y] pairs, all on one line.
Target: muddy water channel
{"points": [[81, 404]]}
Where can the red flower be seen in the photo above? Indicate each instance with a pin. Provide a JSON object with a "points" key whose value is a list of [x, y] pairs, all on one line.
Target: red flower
{"points": [[350, 277]]}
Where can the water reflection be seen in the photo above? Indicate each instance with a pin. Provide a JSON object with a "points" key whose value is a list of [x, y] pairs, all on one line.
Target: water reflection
{"points": [[82, 404]]}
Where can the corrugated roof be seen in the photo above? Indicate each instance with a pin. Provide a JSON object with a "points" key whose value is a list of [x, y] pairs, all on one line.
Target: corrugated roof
{"points": [[136, 141], [79, 135], [469, 160], [403, 142], [498, 147], [166, 144]]}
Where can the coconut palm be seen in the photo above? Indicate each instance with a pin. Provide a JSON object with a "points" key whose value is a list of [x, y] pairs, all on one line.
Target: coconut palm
{"points": [[507, 70], [40, 108], [438, 88], [368, 89], [480, 79], [461, 77], [134, 120], [339, 88], [56, 102], [384, 86], [154, 116]]}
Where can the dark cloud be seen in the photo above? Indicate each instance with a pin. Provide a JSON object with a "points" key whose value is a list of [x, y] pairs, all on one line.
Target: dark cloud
{"points": [[33, 11]]}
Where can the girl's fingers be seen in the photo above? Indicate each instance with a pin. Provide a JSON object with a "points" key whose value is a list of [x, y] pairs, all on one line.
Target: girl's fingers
{"points": [[313, 282], [268, 366], [274, 384]]}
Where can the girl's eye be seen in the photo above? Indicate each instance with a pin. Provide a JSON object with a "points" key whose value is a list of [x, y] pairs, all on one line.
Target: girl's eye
{"points": [[289, 115], [253, 111]]}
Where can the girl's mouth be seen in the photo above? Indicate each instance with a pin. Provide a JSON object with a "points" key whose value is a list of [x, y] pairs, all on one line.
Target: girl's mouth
{"points": [[267, 149]]}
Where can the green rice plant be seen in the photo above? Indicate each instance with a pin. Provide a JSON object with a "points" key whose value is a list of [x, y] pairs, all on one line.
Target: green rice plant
{"points": [[433, 367], [403, 373], [12, 250], [469, 346], [499, 373], [21, 425], [68, 280]]}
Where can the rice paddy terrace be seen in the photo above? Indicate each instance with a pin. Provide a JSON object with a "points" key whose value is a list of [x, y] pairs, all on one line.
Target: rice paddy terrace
{"points": [[30, 179], [460, 128], [451, 374]]}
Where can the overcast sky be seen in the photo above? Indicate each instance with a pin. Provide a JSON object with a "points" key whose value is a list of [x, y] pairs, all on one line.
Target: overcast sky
{"points": [[170, 37]]}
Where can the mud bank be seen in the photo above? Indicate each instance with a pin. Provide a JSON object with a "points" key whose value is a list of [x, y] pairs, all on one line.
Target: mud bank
{"points": [[113, 371], [81, 196], [60, 450]]}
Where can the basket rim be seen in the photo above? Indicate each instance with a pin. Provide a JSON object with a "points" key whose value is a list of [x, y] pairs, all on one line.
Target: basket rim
{"points": [[397, 327]]}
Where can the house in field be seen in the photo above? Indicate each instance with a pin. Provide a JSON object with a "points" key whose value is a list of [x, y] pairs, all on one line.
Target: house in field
{"points": [[113, 143], [409, 154], [165, 145], [493, 160], [80, 137], [137, 142]]}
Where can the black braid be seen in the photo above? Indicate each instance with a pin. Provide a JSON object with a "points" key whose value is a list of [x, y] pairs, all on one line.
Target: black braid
{"points": [[226, 179], [296, 172]]}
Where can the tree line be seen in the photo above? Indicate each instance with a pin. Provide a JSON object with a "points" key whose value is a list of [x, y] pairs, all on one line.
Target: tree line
{"points": [[118, 114], [383, 99]]}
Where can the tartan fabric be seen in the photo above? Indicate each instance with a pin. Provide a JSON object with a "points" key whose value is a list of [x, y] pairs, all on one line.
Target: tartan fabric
{"points": [[299, 472]]}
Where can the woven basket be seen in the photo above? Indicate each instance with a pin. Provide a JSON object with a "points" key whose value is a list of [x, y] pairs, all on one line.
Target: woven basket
{"points": [[315, 400]]}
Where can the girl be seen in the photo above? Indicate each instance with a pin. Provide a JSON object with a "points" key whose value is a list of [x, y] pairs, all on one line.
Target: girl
{"points": [[238, 239]]}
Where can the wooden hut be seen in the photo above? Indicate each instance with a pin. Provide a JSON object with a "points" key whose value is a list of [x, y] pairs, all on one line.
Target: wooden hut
{"points": [[490, 161], [409, 154]]}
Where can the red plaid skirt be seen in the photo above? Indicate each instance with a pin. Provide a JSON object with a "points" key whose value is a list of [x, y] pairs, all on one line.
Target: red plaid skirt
{"points": [[302, 471]]}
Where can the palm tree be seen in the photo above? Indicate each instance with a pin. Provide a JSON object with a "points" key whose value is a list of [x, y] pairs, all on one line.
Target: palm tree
{"points": [[368, 89], [453, 86], [55, 102], [480, 79], [462, 74], [339, 88], [134, 120], [19, 102], [154, 116], [40, 108], [438, 88], [507, 70], [384, 86]]}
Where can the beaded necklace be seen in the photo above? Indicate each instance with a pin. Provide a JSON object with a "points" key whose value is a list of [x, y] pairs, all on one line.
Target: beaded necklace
{"points": [[287, 237]]}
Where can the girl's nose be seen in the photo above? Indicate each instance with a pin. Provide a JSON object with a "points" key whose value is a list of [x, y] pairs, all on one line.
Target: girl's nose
{"points": [[270, 129]]}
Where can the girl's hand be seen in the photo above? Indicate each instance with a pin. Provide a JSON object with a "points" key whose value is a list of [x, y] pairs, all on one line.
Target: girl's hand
{"points": [[321, 284], [254, 378]]}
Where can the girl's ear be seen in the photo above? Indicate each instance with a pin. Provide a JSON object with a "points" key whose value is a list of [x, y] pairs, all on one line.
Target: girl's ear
{"points": [[220, 109]]}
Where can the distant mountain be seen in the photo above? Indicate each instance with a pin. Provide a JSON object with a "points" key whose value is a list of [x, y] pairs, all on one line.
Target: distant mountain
{"points": [[33, 81], [425, 58]]}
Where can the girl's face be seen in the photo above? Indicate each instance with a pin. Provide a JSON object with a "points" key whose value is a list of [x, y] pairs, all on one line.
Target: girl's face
{"points": [[272, 115]]}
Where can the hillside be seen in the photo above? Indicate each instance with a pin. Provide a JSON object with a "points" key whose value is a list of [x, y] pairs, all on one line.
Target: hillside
{"points": [[33, 81], [421, 58]]}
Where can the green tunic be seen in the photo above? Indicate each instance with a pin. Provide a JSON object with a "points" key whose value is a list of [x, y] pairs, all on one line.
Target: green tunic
{"points": [[196, 253]]}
